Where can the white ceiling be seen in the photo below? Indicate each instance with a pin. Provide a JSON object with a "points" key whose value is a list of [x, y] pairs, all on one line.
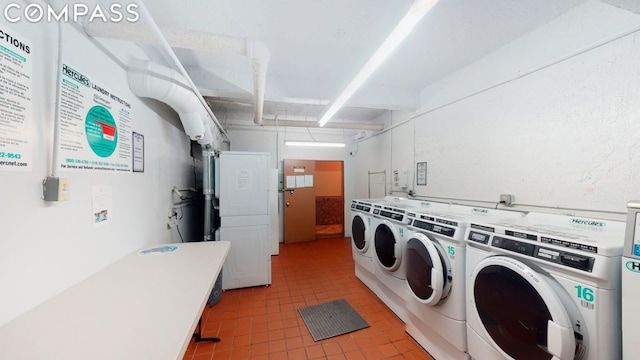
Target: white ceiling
{"points": [[317, 46]]}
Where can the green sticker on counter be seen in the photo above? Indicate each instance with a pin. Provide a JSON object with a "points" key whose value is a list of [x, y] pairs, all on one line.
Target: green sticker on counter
{"points": [[158, 250]]}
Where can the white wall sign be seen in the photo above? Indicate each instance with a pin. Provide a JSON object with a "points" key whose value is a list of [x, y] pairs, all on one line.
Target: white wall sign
{"points": [[138, 152], [421, 171], [244, 180], [95, 125], [308, 180], [16, 153], [291, 182]]}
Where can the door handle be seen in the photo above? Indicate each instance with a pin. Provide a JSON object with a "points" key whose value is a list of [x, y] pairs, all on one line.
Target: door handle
{"points": [[288, 203]]}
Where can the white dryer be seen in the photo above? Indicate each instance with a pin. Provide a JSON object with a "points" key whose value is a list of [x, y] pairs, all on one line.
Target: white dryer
{"points": [[389, 227], [631, 283], [361, 239], [435, 267], [544, 287]]}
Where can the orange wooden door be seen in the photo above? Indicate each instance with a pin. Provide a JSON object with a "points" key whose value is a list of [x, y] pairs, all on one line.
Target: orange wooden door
{"points": [[299, 201]]}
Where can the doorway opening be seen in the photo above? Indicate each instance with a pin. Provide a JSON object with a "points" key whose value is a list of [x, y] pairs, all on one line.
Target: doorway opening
{"points": [[313, 200], [329, 199]]}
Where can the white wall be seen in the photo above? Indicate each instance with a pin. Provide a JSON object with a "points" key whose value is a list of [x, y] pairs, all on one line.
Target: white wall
{"points": [[385, 152], [402, 157], [47, 247], [271, 140], [545, 118]]}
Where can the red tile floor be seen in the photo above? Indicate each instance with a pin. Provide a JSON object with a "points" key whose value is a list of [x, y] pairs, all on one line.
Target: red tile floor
{"points": [[264, 323]]}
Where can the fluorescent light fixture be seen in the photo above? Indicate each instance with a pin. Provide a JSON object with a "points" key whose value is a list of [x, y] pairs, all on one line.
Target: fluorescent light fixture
{"points": [[418, 9], [314, 143]]}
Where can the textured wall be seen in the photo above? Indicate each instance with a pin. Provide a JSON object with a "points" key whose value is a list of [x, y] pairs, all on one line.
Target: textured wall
{"points": [[551, 118]]}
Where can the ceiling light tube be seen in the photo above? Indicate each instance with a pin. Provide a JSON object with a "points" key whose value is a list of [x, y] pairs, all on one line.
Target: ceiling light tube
{"points": [[314, 143], [418, 9]]}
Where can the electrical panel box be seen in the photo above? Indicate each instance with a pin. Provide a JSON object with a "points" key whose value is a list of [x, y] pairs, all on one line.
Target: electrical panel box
{"points": [[400, 179], [56, 189]]}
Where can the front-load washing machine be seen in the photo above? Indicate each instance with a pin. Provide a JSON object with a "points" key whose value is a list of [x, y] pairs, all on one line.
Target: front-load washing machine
{"points": [[361, 239], [388, 235], [435, 268], [631, 283], [544, 287]]}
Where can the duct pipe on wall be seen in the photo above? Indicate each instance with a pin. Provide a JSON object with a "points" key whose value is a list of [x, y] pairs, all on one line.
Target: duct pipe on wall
{"points": [[259, 55], [150, 80], [196, 40]]}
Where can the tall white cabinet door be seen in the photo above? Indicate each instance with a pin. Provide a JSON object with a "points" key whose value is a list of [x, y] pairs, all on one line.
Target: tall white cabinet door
{"points": [[243, 183], [249, 260]]}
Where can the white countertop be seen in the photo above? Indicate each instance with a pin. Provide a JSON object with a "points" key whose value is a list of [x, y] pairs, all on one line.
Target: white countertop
{"points": [[140, 307]]}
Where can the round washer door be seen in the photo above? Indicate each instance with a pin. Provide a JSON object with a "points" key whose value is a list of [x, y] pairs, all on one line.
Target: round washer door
{"points": [[520, 312], [428, 270], [388, 248], [360, 233]]}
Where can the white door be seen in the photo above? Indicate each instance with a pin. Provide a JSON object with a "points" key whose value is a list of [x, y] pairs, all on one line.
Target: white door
{"points": [[360, 233], [428, 270], [387, 246], [243, 183], [249, 260], [520, 311]]}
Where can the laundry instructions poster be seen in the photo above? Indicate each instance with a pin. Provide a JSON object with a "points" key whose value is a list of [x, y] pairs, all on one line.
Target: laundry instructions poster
{"points": [[16, 117], [95, 125]]}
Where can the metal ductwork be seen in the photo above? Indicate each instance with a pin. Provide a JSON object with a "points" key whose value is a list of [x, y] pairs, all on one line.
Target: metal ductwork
{"points": [[196, 40], [151, 80]]}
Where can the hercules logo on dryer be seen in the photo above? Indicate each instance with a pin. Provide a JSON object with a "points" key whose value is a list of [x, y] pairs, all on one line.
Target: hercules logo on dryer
{"points": [[588, 222], [633, 266]]}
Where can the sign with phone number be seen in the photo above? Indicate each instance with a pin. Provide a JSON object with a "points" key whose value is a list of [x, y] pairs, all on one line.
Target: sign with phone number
{"points": [[16, 119]]}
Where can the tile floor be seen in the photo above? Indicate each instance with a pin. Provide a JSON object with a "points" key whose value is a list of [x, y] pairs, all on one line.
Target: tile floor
{"points": [[329, 231], [264, 323]]}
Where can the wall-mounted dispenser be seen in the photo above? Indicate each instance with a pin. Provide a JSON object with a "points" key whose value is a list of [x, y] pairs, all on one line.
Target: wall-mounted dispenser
{"points": [[400, 180]]}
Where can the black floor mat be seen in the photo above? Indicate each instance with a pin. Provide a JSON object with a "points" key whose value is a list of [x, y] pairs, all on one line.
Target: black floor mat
{"points": [[331, 319]]}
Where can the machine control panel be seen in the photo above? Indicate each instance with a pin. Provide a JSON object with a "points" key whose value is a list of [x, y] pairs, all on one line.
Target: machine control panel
{"points": [[533, 237], [521, 235], [391, 215], [378, 206], [479, 237], [448, 222], [569, 244], [427, 217], [576, 261], [444, 230], [483, 228], [361, 206], [513, 245]]}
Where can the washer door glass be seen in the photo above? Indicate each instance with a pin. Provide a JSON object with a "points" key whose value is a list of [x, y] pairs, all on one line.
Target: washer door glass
{"points": [[359, 231], [388, 249], [520, 311], [426, 270]]}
